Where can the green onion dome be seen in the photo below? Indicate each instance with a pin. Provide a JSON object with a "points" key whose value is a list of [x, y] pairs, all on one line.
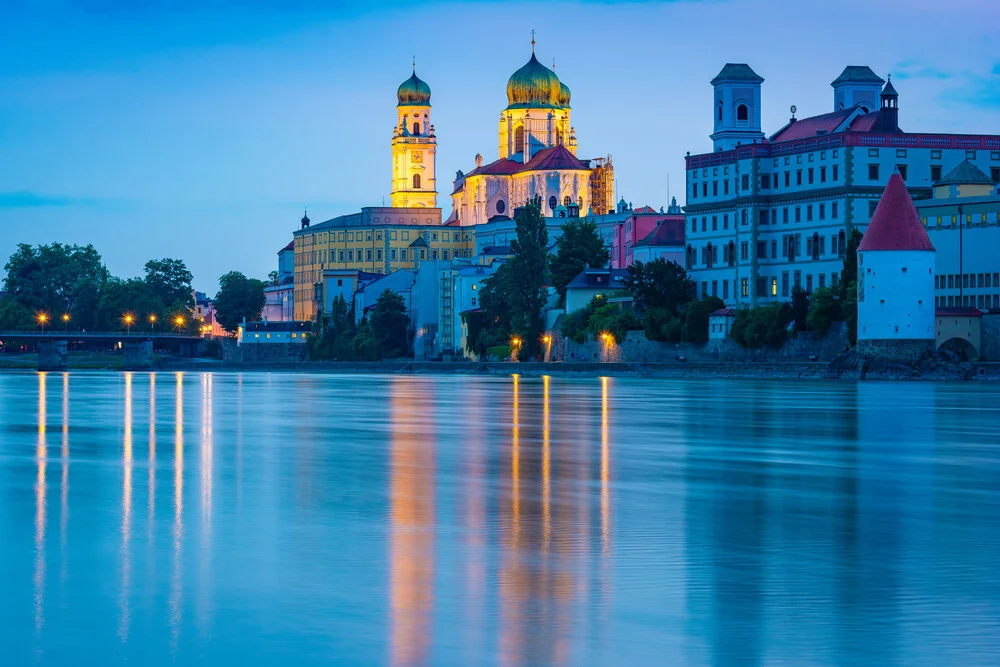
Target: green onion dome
{"points": [[563, 94], [414, 92], [532, 86]]}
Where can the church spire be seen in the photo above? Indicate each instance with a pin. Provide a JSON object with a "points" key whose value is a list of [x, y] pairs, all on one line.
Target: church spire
{"points": [[532, 41]]}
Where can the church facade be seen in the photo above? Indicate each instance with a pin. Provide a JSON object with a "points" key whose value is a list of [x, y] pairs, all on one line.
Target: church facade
{"points": [[537, 156]]}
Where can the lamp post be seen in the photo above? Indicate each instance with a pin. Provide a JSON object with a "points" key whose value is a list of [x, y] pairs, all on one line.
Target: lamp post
{"points": [[547, 339], [65, 319], [152, 322], [42, 319], [515, 345], [128, 323], [178, 323]]}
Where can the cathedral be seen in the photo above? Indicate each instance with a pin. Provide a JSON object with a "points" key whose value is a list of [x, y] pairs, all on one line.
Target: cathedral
{"points": [[537, 154]]}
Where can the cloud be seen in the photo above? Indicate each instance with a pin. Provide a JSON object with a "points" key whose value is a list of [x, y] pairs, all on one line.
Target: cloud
{"points": [[914, 68], [23, 199]]}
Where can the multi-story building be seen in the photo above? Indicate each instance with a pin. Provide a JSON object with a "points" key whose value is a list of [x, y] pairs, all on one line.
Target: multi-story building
{"points": [[963, 221], [459, 293], [279, 294], [640, 226], [765, 215]]}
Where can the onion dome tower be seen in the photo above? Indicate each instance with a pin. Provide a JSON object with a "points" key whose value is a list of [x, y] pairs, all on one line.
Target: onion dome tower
{"points": [[414, 146]]}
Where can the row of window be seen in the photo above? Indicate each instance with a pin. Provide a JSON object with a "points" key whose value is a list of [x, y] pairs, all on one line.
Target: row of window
{"points": [[982, 301], [970, 219], [970, 280], [770, 216], [772, 181], [791, 248], [766, 286]]}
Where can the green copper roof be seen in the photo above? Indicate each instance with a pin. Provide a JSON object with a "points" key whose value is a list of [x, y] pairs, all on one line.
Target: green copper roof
{"points": [[413, 92], [858, 74], [965, 174], [532, 86], [737, 72], [564, 94]]}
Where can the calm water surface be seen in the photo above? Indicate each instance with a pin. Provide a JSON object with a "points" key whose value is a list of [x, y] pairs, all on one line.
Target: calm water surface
{"points": [[225, 519]]}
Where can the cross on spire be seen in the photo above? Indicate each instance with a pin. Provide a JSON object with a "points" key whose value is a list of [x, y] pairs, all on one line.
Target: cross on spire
{"points": [[532, 40], [414, 64]]}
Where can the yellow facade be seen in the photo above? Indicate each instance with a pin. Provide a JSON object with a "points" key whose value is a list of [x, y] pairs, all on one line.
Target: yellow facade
{"points": [[377, 240], [414, 156]]}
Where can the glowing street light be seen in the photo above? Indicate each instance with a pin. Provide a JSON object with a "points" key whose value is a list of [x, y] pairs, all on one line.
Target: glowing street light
{"points": [[547, 339], [178, 322], [152, 322], [42, 320], [128, 319], [515, 344], [65, 319]]}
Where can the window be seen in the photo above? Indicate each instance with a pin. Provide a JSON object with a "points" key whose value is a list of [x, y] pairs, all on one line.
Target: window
{"points": [[392, 254], [784, 215], [368, 255], [725, 289], [350, 255], [341, 257], [811, 170], [774, 286], [765, 181], [900, 152], [902, 170], [402, 255], [761, 249], [788, 176], [798, 214], [742, 116], [704, 288], [784, 283], [704, 189], [872, 152], [445, 236], [368, 236], [822, 280], [809, 283], [836, 172], [378, 236], [970, 155], [416, 181], [725, 187], [553, 202], [995, 174], [872, 205], [694, 225], [704, 224], [833, 244], [444, 255], [406, 235], [725, 221], [416, 129], [798, 177], [935, 173], [715, 188], [822, 211], [822, 174], [995, 156], [720, 111], [423, 253], [935, 155], [774, 216], [774, 248], [763, 217], [745, 182], [434, 236], [694, 194], [809, 212], [745, 251], [833, 210], [798, 279], [715, 288], [378, 254], [519, 139], [873, 172]]}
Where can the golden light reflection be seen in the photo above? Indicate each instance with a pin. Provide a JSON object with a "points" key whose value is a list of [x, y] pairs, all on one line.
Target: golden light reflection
{"points": [[605, 496], [64, 482], [412, 482], [477, 545], [546, 470], [206, 497], [513, 575], [515, 464], [175, 594], [151, 502], [126, 529], [41, 454]]}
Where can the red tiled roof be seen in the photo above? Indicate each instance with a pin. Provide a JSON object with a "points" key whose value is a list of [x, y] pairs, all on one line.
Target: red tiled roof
{"points": [[957, 311], [896, 224], [644, 209], [557, 157], [807, 128], [669, 232], [290, 246]]}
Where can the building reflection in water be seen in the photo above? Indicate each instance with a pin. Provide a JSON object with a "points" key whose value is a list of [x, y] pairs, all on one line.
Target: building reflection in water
{"points": [[412, 521], [41, 455], [126, 528], [475, 450], [178, 529]]}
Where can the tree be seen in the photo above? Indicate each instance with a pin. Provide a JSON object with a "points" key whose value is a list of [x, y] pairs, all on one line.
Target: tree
{"points": [[800, 307], [239, 297], [659, 284], [56, 279], [526, 276], [696, 320], [126, 296], [849, 311], [579, 246], [849, 286], [14, 316], [609, 318], [661, 324], [170, 280], [494, 320], [824, 309], [389, 323], [764, 326]]}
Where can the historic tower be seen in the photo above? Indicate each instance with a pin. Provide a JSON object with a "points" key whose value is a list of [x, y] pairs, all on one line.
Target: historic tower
{"points": [[896, 280], [414, 147], [737, 107]]}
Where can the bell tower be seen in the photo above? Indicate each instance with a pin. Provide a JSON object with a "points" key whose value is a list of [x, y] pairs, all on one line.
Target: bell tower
{"points": [[736, 107], [414, 147]]}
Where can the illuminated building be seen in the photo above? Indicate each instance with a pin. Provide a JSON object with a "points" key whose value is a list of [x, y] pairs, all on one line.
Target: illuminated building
{"points": [[414, 147], [768, 214], [537, 156]]}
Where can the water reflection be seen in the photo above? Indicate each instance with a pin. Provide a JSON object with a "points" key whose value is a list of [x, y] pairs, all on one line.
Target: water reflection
{"points": [[41, 455], [64, 480], [126, 529], [411, 516], [207, 454], [178, 530]]}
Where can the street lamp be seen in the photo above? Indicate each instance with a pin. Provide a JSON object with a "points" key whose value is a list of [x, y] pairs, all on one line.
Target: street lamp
{"points": [[515, 344], [42, 319], [65, 319], [152, 321], [547, 339], [129, 319], [178, 322]]}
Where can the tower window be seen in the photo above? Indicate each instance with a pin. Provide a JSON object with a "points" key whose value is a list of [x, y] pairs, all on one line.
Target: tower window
{"points": [[519, 139], [416, 129], [416, 181], [553, 202], [720, 111], [742, 115]]}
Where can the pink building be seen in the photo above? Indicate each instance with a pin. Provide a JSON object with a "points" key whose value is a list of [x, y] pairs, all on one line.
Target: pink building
{"points": [[638, 226]]}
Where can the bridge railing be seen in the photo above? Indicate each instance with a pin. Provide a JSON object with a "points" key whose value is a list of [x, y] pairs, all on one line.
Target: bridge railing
{"points": [[81, 335]]}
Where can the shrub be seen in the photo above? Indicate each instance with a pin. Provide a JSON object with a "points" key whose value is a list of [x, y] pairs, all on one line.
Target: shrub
{"points": [[824, 308], [764, 326], [696, 321], [662, 325]]}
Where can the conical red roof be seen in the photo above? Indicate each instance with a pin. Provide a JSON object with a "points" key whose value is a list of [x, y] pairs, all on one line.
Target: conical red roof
{"points": [[896, 224]]}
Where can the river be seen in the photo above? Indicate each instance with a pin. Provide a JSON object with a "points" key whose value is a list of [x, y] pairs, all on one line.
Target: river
{"points": [[265, 519]]}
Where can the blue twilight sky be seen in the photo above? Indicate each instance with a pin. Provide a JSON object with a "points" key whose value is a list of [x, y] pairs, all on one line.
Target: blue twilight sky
{"points": [[200, 130]]}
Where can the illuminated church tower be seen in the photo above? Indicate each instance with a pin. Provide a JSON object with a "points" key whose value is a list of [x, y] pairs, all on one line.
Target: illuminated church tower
{"points": [[414, 147]]}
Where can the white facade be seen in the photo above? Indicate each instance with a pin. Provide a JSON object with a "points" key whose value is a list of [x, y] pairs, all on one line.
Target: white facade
{"points": [[896, 295]]}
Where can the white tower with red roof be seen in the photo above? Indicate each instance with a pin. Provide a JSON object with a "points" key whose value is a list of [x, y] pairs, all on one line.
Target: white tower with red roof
{"points": [[896, 279]]}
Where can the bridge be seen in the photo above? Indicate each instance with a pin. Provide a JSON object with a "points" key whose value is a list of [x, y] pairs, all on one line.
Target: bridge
{"points": [[53, 344]]}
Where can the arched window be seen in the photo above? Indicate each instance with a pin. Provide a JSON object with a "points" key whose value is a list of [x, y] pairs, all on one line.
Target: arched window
{"points": [[553, 202], [416, 181], [559, 138], [742, 116], [720, 111], [567, 201], [416, 129], [519, 139]]}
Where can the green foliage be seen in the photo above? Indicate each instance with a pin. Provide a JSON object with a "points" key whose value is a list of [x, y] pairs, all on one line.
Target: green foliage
{"points": [[239, 297], [130, 296], [662, 325], [364, 346], [849, 286], [695, 328], [170, 281], [849, 311], [389, 324], [579, 246], [498, 352], [574, 325], [333, 335], [824, 309], [14, 316], [493, 322], [763, 326], [609, 318], [659, 284], [56, 279], [525, 278], [800, 307]]}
